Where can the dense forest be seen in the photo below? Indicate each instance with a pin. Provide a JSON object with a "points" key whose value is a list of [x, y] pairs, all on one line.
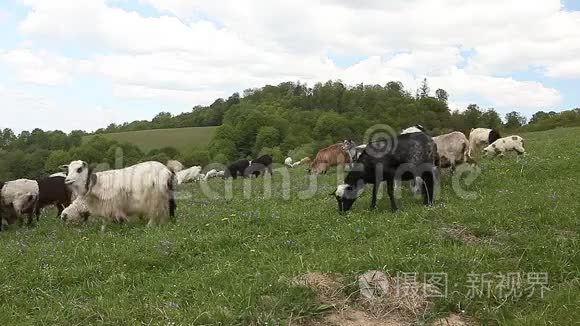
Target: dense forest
{"points": [[287, 119]]}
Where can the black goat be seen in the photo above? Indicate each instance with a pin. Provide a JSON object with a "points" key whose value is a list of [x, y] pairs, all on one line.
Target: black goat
{"points": [[403, 157], [261, 164], [52, 191], [237, 168]]}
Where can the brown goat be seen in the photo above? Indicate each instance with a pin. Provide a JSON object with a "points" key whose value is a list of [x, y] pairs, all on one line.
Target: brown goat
{"points": [[330, 156]]}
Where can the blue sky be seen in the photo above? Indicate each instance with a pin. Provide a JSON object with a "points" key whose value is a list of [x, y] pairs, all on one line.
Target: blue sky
{"points": [[84, 64]]}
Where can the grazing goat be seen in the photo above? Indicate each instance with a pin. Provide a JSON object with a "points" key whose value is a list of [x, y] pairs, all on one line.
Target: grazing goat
{"points": [[19, 198], [187, 175], [238, 168], [349, 147], [413, 156], [145, 189], [174, 165], [452, 149], [333, 155], [289, 162], [305, 160], [479, 137], [511, 143], [261, 165], [412, 129], [53, 191], [210, 174]]}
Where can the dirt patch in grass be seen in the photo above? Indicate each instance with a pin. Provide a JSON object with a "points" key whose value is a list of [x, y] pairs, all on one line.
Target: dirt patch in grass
{"points": [[353, 317], [564, 234], [389, 304], [327, 288], [453, 320], [463, 234]]}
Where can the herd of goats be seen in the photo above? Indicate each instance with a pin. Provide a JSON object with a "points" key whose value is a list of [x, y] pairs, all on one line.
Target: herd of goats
{"points": [[147, 189]]}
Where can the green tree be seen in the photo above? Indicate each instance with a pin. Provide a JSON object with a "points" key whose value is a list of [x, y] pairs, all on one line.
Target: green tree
{"points": [[442, 95], [332, 125], [7, 137], [197, 157], [275, 152], [225, 148], [220, 158], [491, 119], [162, 120], [514, 120], [424, 90], [539, 116], [267, 137], [55, 160], [472, 116]]}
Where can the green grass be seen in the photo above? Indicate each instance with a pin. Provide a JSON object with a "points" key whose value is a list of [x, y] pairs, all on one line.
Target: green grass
{"points": [[229, 262], [183, 139]]}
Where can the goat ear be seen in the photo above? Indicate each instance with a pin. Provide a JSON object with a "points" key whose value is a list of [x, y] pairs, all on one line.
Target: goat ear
{"points": [[63, 168]]}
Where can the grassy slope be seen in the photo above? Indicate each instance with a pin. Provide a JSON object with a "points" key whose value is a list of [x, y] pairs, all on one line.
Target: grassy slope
{"points": [[182, 139], [229, 261]]}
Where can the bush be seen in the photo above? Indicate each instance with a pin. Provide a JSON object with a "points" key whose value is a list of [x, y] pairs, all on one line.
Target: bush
{"points": [[197, 157], [220, 158], [276, 153]]}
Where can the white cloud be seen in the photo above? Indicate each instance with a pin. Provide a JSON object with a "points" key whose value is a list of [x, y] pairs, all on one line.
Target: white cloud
{"points": [[185, 97], [22, 110], [195, 50], [42, 67], [500, 92]]}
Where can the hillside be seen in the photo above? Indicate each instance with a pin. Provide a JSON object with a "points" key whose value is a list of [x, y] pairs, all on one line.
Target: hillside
{"points": [[231, 261], [182, 139]]}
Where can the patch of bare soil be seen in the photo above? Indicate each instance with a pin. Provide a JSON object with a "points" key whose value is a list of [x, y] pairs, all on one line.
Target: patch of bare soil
{"points": [[453, 320], [381, 300], [353, 317], [328, 290], [462, 234]]}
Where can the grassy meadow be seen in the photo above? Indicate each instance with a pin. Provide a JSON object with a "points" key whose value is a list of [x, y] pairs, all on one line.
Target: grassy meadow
{"points": [[230, 261], [183, 139]]}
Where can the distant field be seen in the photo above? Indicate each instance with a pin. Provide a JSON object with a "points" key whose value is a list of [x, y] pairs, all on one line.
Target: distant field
{"points": [[182, 139], [509, 254]]}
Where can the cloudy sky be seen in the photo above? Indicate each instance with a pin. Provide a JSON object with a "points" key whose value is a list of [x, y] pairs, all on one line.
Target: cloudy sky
{"points": [[83, 64]]}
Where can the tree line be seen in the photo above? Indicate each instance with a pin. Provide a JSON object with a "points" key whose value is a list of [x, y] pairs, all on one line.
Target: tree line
{"points": [[40, 153], [287, 119]]}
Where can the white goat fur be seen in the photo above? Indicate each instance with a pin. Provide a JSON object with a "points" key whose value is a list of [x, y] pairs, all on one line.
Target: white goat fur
{"points": [[452, 148], [174, 165], [210, 174], [289, 162], [17, 193], [144, 189], [411, 130], [302, 161], [511, 143], [191, 174], [477, 138]]}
